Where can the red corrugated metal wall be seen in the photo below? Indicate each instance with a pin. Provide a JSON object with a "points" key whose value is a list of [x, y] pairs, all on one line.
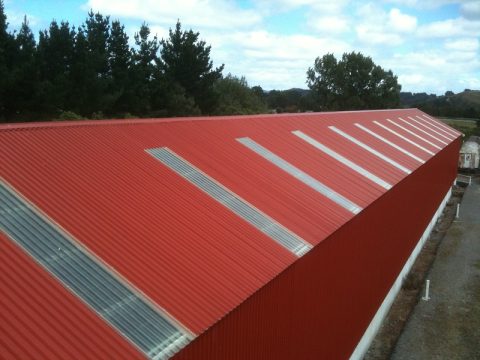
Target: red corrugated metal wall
{"points": [[321, 305]]}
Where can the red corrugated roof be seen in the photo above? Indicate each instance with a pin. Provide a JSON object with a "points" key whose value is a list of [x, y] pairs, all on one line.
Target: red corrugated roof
{"points": [[40, 319], [188, 253]]}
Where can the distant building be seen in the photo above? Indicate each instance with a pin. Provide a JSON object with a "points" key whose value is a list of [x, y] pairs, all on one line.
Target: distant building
{"points": [[251, 237], [470, 154]]}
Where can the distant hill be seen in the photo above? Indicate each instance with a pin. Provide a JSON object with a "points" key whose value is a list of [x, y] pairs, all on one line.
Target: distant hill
{"points": [[408, 99], [470, 96], [465, 104], [300, 91]]}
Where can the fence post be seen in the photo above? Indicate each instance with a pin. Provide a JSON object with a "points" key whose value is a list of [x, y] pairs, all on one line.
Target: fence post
{"points": [[427, 291]]}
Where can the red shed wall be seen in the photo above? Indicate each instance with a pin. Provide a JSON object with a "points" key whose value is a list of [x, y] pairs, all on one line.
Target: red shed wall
{"points": [[321, 305]]}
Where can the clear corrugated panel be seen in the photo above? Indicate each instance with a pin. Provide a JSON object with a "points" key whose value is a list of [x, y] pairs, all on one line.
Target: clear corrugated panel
{"points": [[370, 149], [414, 134], [421, 123], [232, 201], [127, 311], [342, 159], [422, 131], [388, 142], [300, 175], [403, 137]]}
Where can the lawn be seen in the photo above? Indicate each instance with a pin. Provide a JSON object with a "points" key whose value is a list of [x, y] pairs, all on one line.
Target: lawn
{"points": [[467, 126]]}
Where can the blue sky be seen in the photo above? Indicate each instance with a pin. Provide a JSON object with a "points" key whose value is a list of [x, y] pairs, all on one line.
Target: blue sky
{"points": [[432, 45]]}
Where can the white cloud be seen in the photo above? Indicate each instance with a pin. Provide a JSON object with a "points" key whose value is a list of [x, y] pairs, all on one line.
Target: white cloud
{"points": [[435, 70], [414, 80], [274, 46], [408, 3], [274, 60], [377, 27], [376, 35], [330, 7], [370, 11], [425, 4], [466, 44], [450, 27], [444, 28], [320, 7], [401, 22], [156, 30], [471, 10], [329, 24], [202, 13]]}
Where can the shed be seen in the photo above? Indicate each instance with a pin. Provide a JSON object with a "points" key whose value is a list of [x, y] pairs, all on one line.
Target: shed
{"points": [[470, 154], [249, 237]]}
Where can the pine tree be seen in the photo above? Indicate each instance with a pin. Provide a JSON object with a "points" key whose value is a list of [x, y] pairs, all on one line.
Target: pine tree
{"points": [[3, 27], [55, 54], [4, 73], [120, 61], [186, 60], [80, 76], [21, 95], [144, 67], [97, 30]]}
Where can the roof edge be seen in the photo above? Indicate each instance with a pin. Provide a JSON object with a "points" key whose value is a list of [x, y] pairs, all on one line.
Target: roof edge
{"points": [[78, 123]]}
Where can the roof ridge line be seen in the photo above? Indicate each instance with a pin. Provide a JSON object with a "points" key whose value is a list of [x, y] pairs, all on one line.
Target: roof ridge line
{"points": [[138, 121]]}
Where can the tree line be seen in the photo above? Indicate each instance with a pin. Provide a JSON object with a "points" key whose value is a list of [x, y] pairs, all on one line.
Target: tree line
{"points": [[92, 71], [465, 104]]}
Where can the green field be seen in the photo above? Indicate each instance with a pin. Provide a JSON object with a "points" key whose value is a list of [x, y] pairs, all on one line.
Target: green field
{"points": [[467, 126]]}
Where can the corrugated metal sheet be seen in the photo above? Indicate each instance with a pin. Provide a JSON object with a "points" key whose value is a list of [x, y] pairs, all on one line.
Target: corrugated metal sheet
{"points": [[320, 306], [120, 305], [183, 250], [230, 200], [40, 319]]}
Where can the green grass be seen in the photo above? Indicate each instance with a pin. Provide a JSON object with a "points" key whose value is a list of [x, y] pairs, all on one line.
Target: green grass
{"points": [[463, 123], [467, 127]]}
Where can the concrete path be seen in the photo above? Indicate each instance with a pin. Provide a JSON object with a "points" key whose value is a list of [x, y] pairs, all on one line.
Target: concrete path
{"points": [[448, 325]]}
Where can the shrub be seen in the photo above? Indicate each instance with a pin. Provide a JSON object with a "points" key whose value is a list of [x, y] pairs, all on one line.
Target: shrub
{"points": [[69, 115]]}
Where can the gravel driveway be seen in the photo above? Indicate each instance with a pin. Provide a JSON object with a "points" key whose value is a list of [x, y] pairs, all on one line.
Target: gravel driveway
{"points": [[448, 325]]}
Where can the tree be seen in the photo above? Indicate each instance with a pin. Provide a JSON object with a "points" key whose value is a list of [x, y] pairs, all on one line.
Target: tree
{"points": [[55, 53], [21, 95], [258, 91], [292, 100], [354, 82], [120, 62], [322, 79], [3, 30], [144, 71], [81, 75], [97, 30], [235, 97], [176, 102], [186, 61], [5, 43]]}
